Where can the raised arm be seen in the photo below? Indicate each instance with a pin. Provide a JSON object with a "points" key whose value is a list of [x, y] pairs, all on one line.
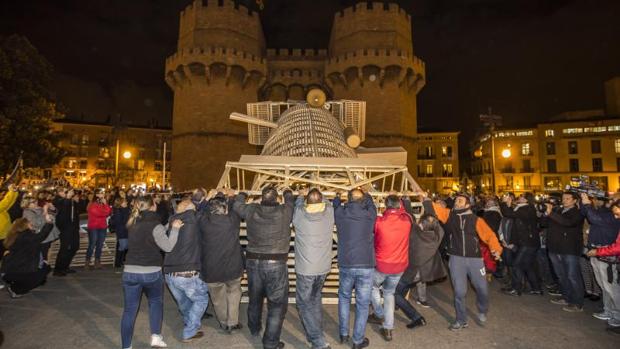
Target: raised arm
{"points": [[166, 242], [8, 200], [441, 212], [239, 206]]}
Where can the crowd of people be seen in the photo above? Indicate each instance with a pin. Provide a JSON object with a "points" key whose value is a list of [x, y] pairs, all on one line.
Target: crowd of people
{"points": [[569, 250]]}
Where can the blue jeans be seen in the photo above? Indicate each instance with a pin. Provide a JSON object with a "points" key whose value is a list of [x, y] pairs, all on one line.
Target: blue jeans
{"points": [[567, 268], [123, 244], [542, 259], [308, 298], [267, 278], [359, 279], [525, 268], [402, 303], [462, 268], [133, 284], [388, 282], [96, 237], [192, 298]]}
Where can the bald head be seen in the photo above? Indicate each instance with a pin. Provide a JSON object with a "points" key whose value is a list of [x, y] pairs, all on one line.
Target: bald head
{"points": [[356, 195]]}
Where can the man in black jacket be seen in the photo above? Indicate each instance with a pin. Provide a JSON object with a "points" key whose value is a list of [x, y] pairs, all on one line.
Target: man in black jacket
{"points": [[565, 244], [269, 236], [527, 241], [68, 206], [222, 261], [182, 270]]}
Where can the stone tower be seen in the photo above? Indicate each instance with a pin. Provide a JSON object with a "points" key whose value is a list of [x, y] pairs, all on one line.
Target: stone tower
{"points": [[371, 58], [221, 64], [218, 68]]}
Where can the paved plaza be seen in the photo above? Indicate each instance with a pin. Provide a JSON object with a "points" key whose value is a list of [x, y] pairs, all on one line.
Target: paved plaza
{"points": [[83, 311]]}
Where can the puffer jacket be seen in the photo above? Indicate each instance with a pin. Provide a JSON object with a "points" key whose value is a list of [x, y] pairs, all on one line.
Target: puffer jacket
{"points": [[392, 240], [97, 215], [268, 226]]}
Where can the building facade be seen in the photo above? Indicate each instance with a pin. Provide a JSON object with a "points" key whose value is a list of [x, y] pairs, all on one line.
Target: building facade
{"points": [[438, 161], [222, 62], [104, 155], [545, 158]]}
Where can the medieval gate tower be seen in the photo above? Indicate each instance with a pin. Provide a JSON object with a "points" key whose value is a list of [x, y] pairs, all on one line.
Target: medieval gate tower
{"points": [[222, 63]]}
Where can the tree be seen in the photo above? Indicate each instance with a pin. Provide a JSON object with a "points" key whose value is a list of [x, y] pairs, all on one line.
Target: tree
{"points": [[27, 108]]}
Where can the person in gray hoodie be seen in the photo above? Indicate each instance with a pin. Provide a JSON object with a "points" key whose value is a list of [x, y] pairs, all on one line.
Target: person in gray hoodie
{"points": [[313, 220]]}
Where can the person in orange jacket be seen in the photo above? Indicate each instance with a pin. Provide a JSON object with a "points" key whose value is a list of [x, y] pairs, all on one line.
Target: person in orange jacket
{"points": [[465, 232]]}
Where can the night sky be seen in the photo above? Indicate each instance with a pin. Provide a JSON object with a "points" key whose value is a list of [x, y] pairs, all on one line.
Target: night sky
{"points": [[528, 59]]}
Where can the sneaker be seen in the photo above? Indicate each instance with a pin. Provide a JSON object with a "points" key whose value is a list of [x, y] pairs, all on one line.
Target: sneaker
{"points": [[551, 287], [457, 326], [344, 339], [536, 293], [559, 301], [554, 293], [418, 323], [602, 316], [512, 292], [374, 319], [613, 322], [573, 308], [482, 318], [157, 341], [386, 334], [423, 304], [13, 294]]}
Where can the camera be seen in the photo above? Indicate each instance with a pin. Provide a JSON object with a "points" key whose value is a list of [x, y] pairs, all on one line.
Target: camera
{"points": [[583, 184], [542, 201]]}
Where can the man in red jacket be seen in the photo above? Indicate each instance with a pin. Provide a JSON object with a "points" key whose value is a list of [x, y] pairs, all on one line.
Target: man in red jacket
{"points": [[392, 255]]}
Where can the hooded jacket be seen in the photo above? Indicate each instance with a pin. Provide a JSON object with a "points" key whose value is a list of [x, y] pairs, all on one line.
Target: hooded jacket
{"points": [[392, 231], [268, 226], [355, 223], [424, 256], [314, 238]]}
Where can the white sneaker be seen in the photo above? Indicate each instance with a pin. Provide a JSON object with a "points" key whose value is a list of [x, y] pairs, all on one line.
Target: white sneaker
{"points": [[613, 322], [157, 341]]}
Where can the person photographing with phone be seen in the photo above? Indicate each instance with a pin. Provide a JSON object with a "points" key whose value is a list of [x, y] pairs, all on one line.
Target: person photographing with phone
{"points": [[98, 212]]}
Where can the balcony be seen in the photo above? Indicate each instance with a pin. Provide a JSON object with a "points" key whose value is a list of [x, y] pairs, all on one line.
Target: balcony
{"points": [[528, 170], [427, 156], [520, 188], [507, 170]]}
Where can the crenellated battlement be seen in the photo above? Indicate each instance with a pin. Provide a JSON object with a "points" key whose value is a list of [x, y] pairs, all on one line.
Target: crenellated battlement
{"points": [[216, 5], [220, 23], [287, 54], [373, 8], [224, 52]]}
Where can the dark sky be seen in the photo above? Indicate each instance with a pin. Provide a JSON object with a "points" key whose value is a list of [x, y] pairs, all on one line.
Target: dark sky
{"points": [[528, 59]]}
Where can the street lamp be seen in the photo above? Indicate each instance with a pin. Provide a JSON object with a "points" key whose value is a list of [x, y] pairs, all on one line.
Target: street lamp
{"points": [[506, 153], [127, 154]]}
